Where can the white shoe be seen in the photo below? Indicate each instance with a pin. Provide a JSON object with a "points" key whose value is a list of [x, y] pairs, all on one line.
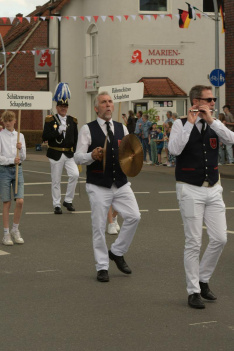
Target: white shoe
{"points": [[111, 229], [149, 163], [7, 240], [17, 237], [117, 227]]}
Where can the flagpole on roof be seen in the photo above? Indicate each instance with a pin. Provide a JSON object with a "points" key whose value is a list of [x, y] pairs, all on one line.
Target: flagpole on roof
{"points": [[5, 65], [216, 48]]}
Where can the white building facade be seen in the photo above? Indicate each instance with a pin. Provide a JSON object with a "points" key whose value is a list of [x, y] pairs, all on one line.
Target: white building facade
{"points": [[109, 42]]}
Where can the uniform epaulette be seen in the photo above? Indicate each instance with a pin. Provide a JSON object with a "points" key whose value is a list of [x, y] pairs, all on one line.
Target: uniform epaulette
{"points": [[75, 120], [49, 118]]}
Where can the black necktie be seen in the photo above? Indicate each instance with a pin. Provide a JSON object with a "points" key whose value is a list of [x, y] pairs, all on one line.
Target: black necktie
{"points": [[203, 126], [109, 132]]}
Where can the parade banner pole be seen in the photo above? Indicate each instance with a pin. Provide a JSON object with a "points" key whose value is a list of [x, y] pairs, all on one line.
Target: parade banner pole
{"points": [[17, 155], [119, 112]]}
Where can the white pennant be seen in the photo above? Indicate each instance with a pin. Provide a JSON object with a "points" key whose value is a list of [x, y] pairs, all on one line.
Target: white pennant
{"points": [[42, 51], [24, 52], [43, 18], [28, 18], [33, 52], [177, 15], [119, 18], [88, 18], [4, 53], [59, 18], [11, 19], [103, 18], [52, 51], [74, 17], [162, 16], [148, 16], [133, 17]]}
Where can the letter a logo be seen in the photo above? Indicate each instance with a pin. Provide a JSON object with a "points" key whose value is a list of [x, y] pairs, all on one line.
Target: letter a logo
{"points": [[136, 57], [45, 58]]}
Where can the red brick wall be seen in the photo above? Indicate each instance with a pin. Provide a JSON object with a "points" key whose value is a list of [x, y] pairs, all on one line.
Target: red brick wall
{"points": [[21, 77], [229, 52]]}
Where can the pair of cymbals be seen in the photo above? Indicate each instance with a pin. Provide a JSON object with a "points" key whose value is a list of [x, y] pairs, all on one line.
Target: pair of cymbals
{"points": [[130, 155]]}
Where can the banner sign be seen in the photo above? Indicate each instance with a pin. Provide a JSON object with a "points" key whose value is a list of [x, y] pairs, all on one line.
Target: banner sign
{"points": [[26, 100], [124, 92], [44, 61]]}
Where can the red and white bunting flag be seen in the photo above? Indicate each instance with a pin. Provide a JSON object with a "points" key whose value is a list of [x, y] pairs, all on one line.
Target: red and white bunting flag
{"points": [[148, 17], [133, 17], [82, 18], [103, 18], [141, 16], [155, 16], [88, 18], [74, 17], [59, 18], [95, 18], [111, 17], [119, 18], [126, 17], [169, 16], [162, 16], [28, 19], [33, 52]]}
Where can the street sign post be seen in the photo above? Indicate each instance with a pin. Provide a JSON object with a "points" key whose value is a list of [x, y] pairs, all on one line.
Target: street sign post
{"points": [[217, 77]]}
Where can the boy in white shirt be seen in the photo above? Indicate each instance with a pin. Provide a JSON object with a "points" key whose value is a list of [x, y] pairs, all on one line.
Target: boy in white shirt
{"points": [[8, 162]]}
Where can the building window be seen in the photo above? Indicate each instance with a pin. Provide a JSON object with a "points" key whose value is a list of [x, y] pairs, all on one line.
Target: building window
{"points": [[91, 59], [153, 5], [208, 6]]}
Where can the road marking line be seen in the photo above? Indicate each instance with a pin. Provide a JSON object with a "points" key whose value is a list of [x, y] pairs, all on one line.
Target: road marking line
{"points": [[33, 194], [48, 270], [73, 212], [3, 253], [203, 323], [167, 192], [141, 192], [63, 175], [177, 209], [49, 183]]}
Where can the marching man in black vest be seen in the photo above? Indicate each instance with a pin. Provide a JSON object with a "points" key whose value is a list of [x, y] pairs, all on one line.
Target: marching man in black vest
{"points": [[61, 132], [107, 187], [195, 140]]}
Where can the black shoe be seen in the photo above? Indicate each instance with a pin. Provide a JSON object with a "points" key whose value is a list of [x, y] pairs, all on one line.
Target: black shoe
{"points": [[102, 276], [120, 263], [195, 301], [68, 206], [57, 210], [206, 293]]}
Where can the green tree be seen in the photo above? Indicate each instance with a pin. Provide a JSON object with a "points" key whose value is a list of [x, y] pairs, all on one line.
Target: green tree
{"points": [[153, 115]]}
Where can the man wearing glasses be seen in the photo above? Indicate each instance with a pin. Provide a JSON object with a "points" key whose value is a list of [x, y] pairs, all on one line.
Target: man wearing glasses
{"points": [[194, 141]]}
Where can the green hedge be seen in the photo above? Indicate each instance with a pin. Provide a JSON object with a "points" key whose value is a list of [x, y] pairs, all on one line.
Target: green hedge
{"points": [[32, 137]]}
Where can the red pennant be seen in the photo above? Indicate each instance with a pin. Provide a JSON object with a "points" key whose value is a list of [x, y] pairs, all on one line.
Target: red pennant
{"points": [[155, 16], [4, 19], [95, 18], [18, 52], [20, 19], [8, 53], [126, 17], [198, 15], [38, 52], [112, 18], [35, 18], [141, 16], [67, 17], [51, 17], [82, 18], [169, 16]]}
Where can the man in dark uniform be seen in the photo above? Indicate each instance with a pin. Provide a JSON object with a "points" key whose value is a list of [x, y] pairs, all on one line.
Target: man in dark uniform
{"points": [[106, 188], [61, 132], [195, 143]]}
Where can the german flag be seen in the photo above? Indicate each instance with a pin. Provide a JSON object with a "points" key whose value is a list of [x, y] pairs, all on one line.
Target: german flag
{"points": [[184, 19], [221, 10]]}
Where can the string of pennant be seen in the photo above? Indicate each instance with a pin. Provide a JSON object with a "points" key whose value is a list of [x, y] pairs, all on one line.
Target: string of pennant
{"points": [[34, 52], [96, 18]]}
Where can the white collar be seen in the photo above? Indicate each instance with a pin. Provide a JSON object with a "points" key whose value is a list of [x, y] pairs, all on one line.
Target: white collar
{"points": [[102, 121]]}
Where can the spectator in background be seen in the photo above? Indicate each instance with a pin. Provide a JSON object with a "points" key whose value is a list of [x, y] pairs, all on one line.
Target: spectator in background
{"points": [[230, 125], [137, 127], [153, 145], [171, 158], [130, 122], [166, 139], [174, 116], [169, 117], [160, 143], [145, 130]]}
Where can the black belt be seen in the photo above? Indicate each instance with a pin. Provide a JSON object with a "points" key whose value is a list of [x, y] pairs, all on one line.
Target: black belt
{"points": [[12, 165]]}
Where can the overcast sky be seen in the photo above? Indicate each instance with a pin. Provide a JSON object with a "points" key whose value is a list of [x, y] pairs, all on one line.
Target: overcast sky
{"points": [[9, 8]]}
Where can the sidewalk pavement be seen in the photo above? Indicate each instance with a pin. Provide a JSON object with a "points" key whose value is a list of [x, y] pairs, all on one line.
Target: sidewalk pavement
{"points": [[226, 171]]}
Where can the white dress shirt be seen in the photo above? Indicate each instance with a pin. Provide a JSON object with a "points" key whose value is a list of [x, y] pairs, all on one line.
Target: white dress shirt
{"points": [[180, 134], [8, 150], [84, 141]]}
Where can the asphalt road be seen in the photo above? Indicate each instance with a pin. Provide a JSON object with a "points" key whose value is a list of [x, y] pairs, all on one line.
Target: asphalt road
{"points": [[51, 300]]}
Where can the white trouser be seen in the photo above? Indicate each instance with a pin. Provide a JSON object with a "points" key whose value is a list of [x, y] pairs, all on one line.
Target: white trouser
{"points": [[198, 204], [56, 173], [124, 202]]}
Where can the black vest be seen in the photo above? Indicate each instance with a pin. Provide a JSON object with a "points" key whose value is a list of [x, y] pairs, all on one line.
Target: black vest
{"points": [[113, 173], [198, 162]]}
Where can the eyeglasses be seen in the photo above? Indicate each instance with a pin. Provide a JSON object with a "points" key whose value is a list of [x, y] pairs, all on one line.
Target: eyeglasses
{"points": [[208, 99]]}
